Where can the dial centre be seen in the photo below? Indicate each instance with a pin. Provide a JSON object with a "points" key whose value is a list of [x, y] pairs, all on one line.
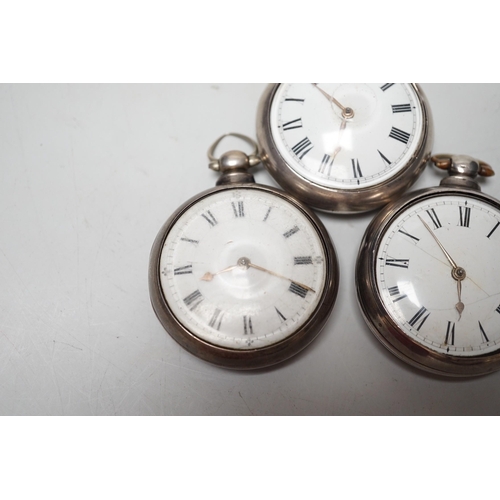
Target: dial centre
{"points": [[348, 113], [458, 273], [244, 262]]}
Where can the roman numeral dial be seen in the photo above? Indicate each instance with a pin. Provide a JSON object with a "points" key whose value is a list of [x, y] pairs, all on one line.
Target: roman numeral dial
{"points": [[243, 268], [342, 136], [438, 273]]}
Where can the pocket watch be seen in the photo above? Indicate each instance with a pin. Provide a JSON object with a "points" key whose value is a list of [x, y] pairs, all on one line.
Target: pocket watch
{"points": [[344, 147], [428, 274], [243, 275]]}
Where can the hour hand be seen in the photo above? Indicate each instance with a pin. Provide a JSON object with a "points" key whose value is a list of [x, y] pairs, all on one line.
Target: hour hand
{"points": [[242, 263], [210, 276], [459, 306]]}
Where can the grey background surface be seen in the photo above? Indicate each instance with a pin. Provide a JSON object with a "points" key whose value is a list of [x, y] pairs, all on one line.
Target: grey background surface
{"points": [[89, 173]]}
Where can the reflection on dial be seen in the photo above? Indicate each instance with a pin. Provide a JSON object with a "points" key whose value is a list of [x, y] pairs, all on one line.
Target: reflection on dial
{"points": [[243, 268], [346, 135], [438, 274]]}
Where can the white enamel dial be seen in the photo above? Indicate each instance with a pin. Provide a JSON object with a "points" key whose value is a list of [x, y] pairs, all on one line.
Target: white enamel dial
{"points": [[438, 274], [242, 269], [346, 135]]}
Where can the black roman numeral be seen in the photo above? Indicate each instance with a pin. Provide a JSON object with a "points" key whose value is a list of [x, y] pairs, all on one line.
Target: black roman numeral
{"points": [[356, 170], [409, 235], [384, 158], [386, 86], [189, 240], [216, 316], [298, 290], [401, 108], [184, 270], [327, 161], [450, 334], [483, 333], [291, 232], [464, 216], [267, 214], [282, 318], [209, 218], [301, 148], [413, 321], [293, 124], [399, 135], [494, 229], [394, 292], [300, 261], [193, 298], [434, 218], [404, 263], [238, 209], [498, 309], [247, 325]]}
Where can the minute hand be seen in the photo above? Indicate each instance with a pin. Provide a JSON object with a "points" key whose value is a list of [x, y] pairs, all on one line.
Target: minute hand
{"points": [[346, 111], [448, 256], [280, 276], [457, 273]]}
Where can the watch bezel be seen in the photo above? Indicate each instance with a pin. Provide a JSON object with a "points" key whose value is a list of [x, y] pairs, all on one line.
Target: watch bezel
{"points": [[378, 318], [341, 200], [251, 358]]}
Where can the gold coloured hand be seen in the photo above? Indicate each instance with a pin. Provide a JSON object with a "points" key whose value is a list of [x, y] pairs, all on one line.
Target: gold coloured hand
{"points": [[244, 263], [210, 276], [341, 133], [448, 256], [280, 276], [459, 306], [458, 273], [346, 111]]}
